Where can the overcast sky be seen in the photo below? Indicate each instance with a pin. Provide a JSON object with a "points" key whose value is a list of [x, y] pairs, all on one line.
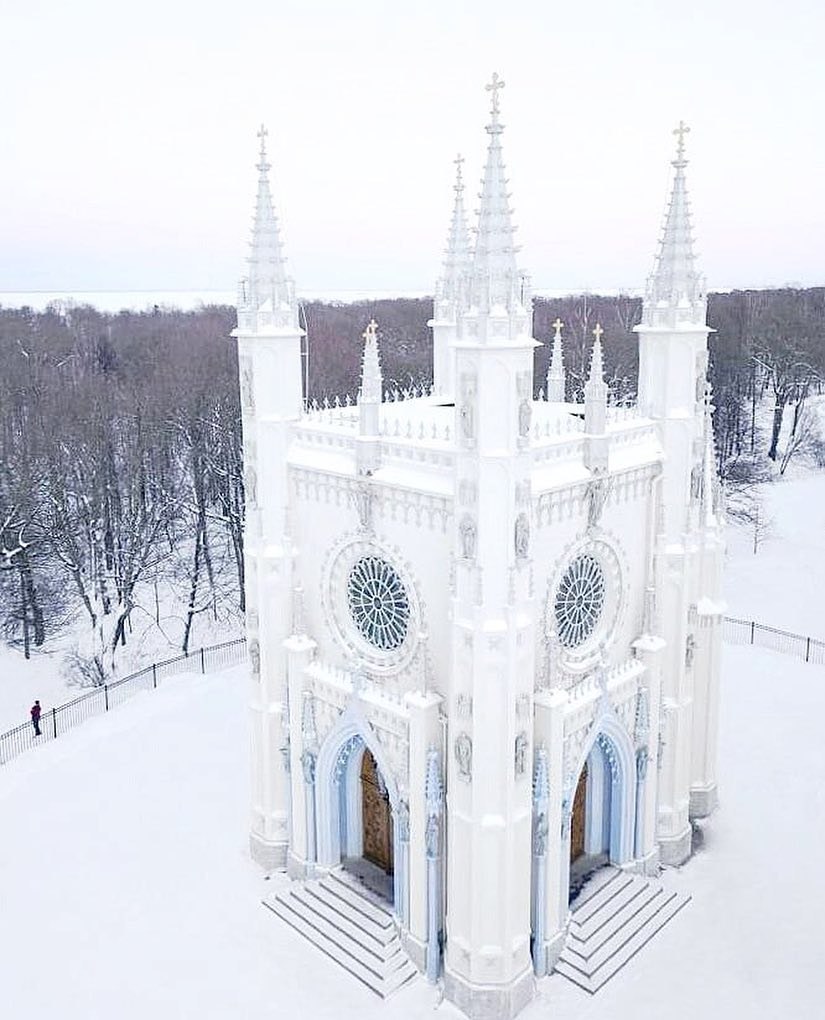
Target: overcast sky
{"points": [[128, 140]]}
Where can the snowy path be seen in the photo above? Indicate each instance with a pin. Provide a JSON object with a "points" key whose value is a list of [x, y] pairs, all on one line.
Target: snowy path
{"points": [[126, 890]]}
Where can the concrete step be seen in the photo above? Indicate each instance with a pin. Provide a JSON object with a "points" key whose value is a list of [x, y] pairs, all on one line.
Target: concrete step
{"points": [[349, 929], [612, 925], [340, 878], [614, 911], [332, 906]]}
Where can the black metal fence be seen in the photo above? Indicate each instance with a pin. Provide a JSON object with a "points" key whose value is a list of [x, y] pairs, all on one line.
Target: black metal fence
{"points": [[748, 632], [56, 721]]}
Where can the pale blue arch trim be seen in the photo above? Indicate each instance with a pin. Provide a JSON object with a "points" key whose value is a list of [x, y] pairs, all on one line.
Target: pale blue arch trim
{"points": [[599, 796], [331, 793]]}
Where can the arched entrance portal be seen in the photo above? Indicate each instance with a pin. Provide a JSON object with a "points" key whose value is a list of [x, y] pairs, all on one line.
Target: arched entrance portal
{"points": [[602, 815], [376, 816], [357, 807]]}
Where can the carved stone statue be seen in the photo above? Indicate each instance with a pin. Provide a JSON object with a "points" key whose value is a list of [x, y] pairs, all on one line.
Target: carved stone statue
{"points": [[247, 389], [467, 531], [521, 754], [431, 836], [525, 415], [522, 536], [540, 834], [250, 482], [690, 651], [308, 764], [255, 657], [464, 756]]}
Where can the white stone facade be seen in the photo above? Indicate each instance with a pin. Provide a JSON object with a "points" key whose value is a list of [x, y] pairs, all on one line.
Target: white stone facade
{"points": [[487, 591]]}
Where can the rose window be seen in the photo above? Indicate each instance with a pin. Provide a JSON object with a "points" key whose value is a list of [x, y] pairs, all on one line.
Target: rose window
{"points": [[378, 603], [579, 600]]}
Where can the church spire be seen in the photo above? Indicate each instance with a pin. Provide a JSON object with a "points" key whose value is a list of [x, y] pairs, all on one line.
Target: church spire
{"points": [[267, 288], [595, 390], [494, 264], [675, 290], [555, 373]]}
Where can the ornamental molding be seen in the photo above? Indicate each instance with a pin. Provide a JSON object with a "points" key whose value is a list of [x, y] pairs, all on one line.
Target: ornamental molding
{"points": [[373, 501]]}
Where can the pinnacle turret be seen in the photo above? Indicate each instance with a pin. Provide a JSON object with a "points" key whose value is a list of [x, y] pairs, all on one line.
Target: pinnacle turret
{"points": [[675, 290], [458, 252], [595, 390], [555, 372], [371, 382], [267, 289]]}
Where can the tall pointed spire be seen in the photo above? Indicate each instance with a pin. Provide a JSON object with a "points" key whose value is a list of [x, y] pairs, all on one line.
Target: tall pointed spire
{"points": [[555, 372], [458, 252], [494, 263], [676, 290], [267, 288]]}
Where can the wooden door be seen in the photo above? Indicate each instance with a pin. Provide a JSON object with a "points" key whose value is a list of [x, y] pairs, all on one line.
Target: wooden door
{"points": [[578, 820], [376, 816]]}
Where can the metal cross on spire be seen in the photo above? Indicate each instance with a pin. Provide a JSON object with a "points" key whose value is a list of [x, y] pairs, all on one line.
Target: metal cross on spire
{"points": [[680, 133], [597, 332], [495, 86], [262, 133], [459, 180], [558, 325], [371, 332]]}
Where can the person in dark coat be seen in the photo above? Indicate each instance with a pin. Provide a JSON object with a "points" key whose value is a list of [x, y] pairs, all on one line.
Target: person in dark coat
{"points": [[34, 712]]}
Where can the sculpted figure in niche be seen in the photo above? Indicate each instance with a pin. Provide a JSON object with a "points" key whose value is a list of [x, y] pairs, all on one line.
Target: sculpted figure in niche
{"points": [[540, 834], [255, 657], [690, 651], [431, 836], [250, 482], [521, 754], [467, 530], [247, 389], [525, 413], [522, 536], [464, 756]]}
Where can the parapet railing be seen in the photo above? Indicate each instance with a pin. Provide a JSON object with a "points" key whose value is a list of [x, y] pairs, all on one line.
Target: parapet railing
{"points": [[58, 720]]}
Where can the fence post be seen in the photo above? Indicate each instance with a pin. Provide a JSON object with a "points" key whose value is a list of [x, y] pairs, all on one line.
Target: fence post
{"points": [[154, 677], [106, 695], [753, 627], [807, 649], [203, 666], [54, 722]]}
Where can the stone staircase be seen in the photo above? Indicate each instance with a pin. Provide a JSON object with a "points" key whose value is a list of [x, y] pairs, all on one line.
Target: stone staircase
{"points": [[615, 915], [351, 925]]}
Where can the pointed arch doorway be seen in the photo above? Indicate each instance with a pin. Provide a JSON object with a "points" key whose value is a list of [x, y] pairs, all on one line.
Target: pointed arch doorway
{"points": [[602, 816]]}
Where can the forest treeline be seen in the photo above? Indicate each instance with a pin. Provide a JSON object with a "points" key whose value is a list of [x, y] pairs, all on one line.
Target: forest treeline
{"points": [[121, 454]]}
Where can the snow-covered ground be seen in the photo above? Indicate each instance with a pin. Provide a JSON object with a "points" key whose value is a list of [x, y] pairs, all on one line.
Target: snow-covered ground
{"points": [[781, 584], [126, 889]]}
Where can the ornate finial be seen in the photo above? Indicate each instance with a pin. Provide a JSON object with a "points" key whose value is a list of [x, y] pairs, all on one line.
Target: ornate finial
{"points": [[680, 133], [495, 86], [459, 180], [597, 332], [371, 332], [558, 325], [262, 163]]}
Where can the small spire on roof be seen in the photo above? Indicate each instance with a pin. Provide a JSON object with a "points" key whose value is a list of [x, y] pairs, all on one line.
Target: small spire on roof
{"points": [[555, 371]]}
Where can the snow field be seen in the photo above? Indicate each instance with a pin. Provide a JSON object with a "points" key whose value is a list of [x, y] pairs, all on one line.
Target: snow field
{"points": [[126, 889]]}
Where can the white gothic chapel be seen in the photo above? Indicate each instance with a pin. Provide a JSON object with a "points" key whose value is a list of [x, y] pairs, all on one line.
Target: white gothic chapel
{"points": [[484, 626]]}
